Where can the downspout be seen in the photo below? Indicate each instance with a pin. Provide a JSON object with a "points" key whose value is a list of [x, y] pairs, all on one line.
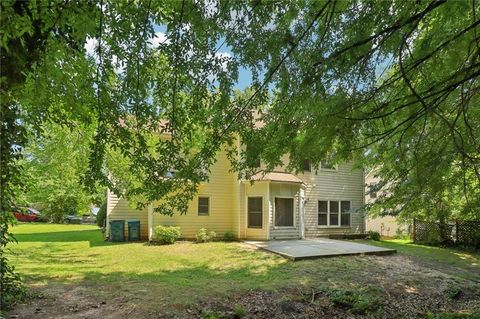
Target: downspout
{"points": [[107, 226], [150, 221], [240, 198], [363, 201], [244, 199]]}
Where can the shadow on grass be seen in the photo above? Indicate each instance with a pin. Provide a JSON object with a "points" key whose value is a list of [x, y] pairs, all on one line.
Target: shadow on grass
{"points": [[94, 237], [447, 256]]}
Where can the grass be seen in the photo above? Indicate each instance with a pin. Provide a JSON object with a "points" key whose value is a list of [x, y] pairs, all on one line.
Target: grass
{"points": [[188, 274], [464, 261]]}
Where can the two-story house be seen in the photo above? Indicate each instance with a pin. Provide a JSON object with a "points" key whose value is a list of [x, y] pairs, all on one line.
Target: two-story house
{"points": [[276, 205]]}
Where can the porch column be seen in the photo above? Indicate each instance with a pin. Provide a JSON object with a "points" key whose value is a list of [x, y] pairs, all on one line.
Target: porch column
{"points": [[301, 207]]}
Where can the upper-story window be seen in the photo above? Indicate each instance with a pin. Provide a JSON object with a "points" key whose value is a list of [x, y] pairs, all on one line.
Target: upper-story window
{"points": [[328, 165], [307, 165], [252, 157]]}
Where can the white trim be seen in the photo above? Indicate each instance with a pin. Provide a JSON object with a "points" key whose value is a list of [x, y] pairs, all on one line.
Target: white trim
{"points": [[263, 211], [294, 213], [209, 205], [301, 208]]}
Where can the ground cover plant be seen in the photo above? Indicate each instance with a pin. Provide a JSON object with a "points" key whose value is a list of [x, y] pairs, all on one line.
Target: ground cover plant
{"points": [[72, 272]]}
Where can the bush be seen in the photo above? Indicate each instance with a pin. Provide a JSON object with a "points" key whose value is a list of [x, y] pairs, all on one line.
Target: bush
{"points": [[102, 215], [453, 292], [11, 286], [239, 311], [356, 302], [434, 237], [166, 234], [374, 235], [229, 236], [204, 236]]}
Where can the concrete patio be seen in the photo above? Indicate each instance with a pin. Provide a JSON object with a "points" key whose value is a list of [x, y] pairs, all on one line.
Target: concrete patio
{"points": [[318, 248]]}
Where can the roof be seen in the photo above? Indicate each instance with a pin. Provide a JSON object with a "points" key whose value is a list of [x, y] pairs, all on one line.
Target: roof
{"points": [[276, 177]]}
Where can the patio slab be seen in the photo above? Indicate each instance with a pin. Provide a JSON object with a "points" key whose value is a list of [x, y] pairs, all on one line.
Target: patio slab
{"points": [[318, 248]]}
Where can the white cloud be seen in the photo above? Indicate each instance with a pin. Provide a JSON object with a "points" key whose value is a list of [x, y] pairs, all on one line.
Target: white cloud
{"points": [[90, 46], [159, 38]]}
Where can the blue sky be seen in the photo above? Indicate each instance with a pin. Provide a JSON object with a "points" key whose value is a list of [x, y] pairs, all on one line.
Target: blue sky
{"points": [[244, 75]]}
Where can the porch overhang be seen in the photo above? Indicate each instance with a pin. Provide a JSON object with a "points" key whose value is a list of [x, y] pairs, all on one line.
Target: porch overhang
{"points": [[276, 177]]}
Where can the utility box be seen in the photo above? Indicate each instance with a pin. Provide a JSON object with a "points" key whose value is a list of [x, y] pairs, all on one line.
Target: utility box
{"points": [[117, 230], [133, 230]]}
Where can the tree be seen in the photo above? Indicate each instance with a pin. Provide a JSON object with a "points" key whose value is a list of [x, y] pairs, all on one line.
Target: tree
{"points": [[340, 78], [54, 165]]}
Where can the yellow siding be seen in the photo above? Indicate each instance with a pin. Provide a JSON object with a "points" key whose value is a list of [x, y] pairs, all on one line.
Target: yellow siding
{"points": [[220, 189], [118, 209], [228, 204]]}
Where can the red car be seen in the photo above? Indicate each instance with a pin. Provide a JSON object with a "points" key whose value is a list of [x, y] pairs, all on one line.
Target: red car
{"points": [[26, 214]]}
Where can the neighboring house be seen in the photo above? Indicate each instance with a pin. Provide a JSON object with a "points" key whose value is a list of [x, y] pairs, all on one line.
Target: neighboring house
{"points": [[387, 226], [275, 205]]}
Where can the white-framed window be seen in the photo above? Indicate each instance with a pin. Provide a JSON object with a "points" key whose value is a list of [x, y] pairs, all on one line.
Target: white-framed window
{"points": [[284, 212], [345, 213], [255, 212], [328, 166], [203, 206], [334, 213]]}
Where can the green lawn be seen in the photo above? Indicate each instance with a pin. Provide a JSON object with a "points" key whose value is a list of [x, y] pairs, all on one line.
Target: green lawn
{"points": [[466, 263], [190, 275]]}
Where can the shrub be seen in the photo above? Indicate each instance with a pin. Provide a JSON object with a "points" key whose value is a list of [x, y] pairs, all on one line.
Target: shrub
{"points": [[203, 235], [374, 235], [166, 234], [356, 302], [453, 292], [102, 215], [239, 311], [229, 236], [434, 237]]}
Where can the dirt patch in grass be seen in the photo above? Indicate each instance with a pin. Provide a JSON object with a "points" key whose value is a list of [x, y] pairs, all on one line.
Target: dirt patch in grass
{"points": [[343, 287]]}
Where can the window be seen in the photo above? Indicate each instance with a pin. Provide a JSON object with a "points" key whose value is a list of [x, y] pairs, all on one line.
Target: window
{"points": [[284, 212], [322, 213], [307, 167], [345, 212], [203, 206], [253, 156], [334, 213], [328, 165], [255, 212]]}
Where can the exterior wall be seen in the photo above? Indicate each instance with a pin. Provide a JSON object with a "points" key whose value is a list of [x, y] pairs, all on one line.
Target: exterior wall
{"points": [[228, 204], [221, 191], [387, 226], [285, 190], [119, 209], [346, 183], [256, 189]]}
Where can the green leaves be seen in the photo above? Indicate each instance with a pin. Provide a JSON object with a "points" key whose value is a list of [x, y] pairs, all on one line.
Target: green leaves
{"points": [[331, 79]]}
